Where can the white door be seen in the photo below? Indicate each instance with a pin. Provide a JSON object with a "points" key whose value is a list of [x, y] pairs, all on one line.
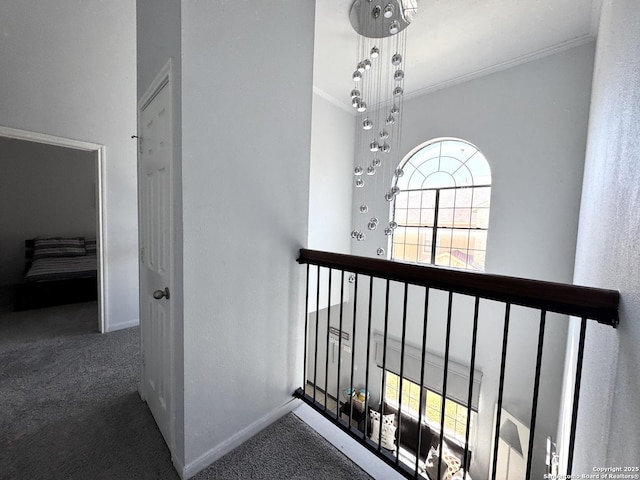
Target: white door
{"points": [[156, 251]]}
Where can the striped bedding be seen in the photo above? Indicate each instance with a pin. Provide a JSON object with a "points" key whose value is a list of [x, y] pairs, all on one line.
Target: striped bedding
{"points": [[61, 268], [59, 247]]}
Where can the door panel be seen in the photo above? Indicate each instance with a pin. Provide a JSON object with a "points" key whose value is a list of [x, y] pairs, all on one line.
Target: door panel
{"points": [[156, 250]]}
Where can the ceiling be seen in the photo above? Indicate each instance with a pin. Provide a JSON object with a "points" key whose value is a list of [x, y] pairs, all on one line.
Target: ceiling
{"points": [[453, 40]]}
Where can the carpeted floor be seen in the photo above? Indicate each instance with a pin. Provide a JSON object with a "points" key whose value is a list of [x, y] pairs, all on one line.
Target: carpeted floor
{"points": [[287, 449], [69, 409]]}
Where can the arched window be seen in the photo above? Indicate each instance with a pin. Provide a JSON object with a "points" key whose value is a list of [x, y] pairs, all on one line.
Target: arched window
{"points": [[442, 210]]}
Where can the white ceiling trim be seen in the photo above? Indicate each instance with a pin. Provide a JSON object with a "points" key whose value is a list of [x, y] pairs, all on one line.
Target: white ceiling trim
{"points": [[544, 52], [596, 10], [334, 101]]}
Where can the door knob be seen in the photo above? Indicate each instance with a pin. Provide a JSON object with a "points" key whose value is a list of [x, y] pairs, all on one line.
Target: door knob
{"points": [[158, 294]]}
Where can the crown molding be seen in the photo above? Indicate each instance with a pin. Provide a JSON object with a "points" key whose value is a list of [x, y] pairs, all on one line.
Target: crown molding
{"points": [[334, 101], [538, 54], [498, 67]]}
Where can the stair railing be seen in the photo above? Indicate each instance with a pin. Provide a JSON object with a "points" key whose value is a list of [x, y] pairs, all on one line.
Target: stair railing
{"points": [[337, 279]]}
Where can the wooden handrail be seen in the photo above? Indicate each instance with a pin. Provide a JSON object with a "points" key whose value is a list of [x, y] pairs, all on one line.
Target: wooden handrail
{"points": [[592, 303]]}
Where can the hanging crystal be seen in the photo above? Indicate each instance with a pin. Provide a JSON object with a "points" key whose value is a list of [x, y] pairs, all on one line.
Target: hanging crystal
{"points": [[395, 190], [393, 225], [399, 172], [383, 20], [352, 278]]}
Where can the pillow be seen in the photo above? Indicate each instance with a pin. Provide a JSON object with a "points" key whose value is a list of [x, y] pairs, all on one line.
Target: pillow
{"points": [[461, 475], [408, 431], [90, 246], [58, 247], [450, 464], [388, 429], [453, 448]]}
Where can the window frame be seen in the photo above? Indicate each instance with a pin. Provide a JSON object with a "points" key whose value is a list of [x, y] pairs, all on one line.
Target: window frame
{"points": [[454, 435], [435, 226]]}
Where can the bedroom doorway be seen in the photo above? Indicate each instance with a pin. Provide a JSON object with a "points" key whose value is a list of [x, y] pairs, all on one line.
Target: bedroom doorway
{"points": [[94, 193]]}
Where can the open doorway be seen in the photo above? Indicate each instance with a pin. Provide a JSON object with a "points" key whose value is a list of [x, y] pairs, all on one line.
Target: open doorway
{"points": [[51, 189]]}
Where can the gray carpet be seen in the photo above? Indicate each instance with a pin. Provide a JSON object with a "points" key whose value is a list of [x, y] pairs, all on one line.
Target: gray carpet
{"points": [[69, 409], [287, 449]]}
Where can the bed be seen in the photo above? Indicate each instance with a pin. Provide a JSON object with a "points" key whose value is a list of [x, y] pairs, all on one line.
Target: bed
{"points": [[58, 271]]}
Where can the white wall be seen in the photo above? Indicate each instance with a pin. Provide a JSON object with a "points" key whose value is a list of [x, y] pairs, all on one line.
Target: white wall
{"points": [[246, 135], [607, 252], [332, 150], [67, 68], [158, 36], [46, 191], [530, 122]]}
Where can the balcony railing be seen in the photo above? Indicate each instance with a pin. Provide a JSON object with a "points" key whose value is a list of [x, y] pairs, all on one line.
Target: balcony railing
{"points": [[411, 336]]}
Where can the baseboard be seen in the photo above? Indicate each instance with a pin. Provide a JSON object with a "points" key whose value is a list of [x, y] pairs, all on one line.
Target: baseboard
{"points": [[242, 436], [112, 327], [346, 444]]}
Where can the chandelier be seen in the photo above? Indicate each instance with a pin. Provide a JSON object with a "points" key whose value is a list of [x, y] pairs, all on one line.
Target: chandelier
{"points": [[377, 96]]}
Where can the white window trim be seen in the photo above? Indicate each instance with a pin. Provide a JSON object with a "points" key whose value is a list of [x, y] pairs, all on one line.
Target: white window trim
{"points": [[457, 373]]}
